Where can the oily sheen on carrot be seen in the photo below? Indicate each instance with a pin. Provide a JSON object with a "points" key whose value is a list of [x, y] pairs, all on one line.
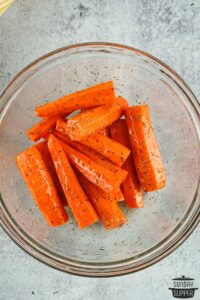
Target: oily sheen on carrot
{"points": [[105, 205], [97, 174], [41, 128], [41, 185], [130, 186], [46, 156], [107, 164], [147, 159], [81, 207], [118, 172], [107, 147], [96, 95], [99, 159], [86, 123]]}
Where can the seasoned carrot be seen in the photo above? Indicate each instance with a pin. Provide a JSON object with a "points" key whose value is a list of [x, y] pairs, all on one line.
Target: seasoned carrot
{"points": [[104, 131], [95, 156], [130, 187], [92, 121], [106, 207], [104, 145], [96, 95], [41, 128], [97, 174], [107, 147], [40, 183], [81, 207], [146, 155], [106, 163], [46, 156]]}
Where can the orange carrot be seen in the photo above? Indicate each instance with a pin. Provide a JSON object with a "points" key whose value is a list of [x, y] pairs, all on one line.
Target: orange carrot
{"points": [[46, 156], [81, 207], [98, 158], [107, 208], [84, 109], [119, 196], [104, 145], [96, 95], [46, 136], [146, 155], [106, 163], [40, 183], [107, 147], [105, 131], [86, 123], [41, 128], [130, 187], [97, 174]]}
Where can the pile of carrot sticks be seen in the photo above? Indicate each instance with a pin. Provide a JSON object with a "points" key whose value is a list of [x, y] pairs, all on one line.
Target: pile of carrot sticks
{"points": [[105, 154]]}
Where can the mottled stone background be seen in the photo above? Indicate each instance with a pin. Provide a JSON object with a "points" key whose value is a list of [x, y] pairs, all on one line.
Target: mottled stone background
{"points": [[168, 29]]}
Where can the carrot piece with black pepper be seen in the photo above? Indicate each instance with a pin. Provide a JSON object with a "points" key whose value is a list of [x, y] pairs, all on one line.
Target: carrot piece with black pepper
{"points": [[95, 156], [92, 121], [41, 185], [146, 155], [96, 95], [105, 205], [81, 207], [98, 158], [106, 163], [41, 128], [107, 147], [103, 145], [130, 186], [46, 156], [97, 174]]}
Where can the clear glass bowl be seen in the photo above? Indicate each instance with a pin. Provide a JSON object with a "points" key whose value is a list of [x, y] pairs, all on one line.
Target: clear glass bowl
{"points": [[169, 215]]}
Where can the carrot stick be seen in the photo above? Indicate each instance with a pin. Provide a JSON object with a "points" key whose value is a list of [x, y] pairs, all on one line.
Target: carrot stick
{"points": [[107, 147], [104, 145], [98, 158], [95, 156], [130, 186], [97, 174], [40, 183], [92, 121], [106, 207], [41, 128], [106, 163], [81, 208], [46, 156], [146, 155], [96, 95]]}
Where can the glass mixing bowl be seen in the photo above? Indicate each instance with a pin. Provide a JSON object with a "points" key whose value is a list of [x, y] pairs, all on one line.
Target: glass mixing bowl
{"points": [[169, 215]]}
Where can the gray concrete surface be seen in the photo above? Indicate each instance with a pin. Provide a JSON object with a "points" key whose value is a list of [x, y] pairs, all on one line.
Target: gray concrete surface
{"points": [[168, 29]]}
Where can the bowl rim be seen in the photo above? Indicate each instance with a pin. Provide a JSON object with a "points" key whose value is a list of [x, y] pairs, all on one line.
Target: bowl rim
{"points": [[83, 270]]}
